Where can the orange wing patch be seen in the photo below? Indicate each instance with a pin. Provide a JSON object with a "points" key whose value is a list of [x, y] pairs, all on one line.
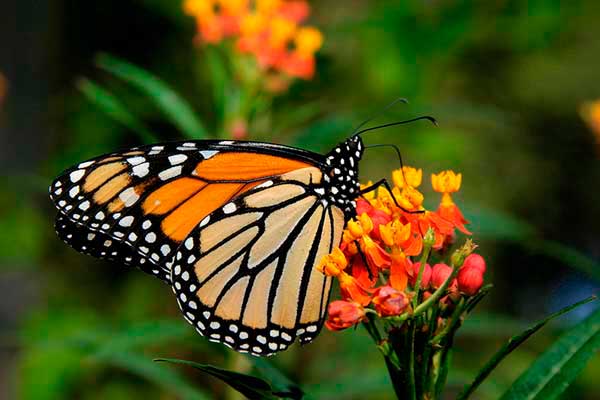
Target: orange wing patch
{"points": [[171, 195], [245, 166], [181, 221]]}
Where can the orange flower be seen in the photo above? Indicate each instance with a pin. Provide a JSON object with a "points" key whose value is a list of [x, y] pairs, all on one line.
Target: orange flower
{"points": [[364, 273], [447, 182], [413, 177], [267, 29], [333, 264], [296, 11], [351, 288], [590, 112], [399, 270], [389, 301], [308, 40], [344, 314]]}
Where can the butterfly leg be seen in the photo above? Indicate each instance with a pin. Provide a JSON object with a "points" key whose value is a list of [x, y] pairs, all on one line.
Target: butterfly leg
{"points": [[386, 184]]}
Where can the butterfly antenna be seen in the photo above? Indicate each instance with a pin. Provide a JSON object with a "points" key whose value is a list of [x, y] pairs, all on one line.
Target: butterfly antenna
{"points": [[427, 117], [393, 146], [379, 113]]}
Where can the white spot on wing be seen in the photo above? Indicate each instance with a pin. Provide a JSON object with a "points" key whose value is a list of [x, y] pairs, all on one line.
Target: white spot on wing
{"points": [[177, 159], [129, 197], [170, 173], [85, 164], [76, 175], [141, 170], [136, 160], [74, 191], [208, 153], [229, 208], [126, 221]]}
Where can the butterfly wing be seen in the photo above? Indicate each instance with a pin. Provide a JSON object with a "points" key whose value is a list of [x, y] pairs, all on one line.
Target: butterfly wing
{"points": [[246, 274], [137, 206]]}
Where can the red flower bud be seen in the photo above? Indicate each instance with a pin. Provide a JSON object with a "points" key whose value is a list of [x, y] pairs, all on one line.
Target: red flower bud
{"points": [[439, 274], [389, 301], [470, 280], [343, 314], [475, 261], [425, 278]]}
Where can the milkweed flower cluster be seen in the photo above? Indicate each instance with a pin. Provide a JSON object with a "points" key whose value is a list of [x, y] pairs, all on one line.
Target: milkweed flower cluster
{"points": [[401, 279], [272, 31], [384, 254]]}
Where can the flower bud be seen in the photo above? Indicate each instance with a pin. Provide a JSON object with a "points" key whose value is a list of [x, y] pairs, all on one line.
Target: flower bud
{"points": [[458, 257], [343, 314], [470, 280], [389, 301], [439, 274], [425, 278], [475, 261], [429, 237]]}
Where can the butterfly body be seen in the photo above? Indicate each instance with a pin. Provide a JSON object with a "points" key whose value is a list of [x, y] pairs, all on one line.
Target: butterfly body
{"points": [[235, 228]]}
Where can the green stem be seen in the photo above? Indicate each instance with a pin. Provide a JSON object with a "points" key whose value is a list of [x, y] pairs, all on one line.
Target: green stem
{"points": [[424, 257], [428, 351], [454, 320], [412, 387]]}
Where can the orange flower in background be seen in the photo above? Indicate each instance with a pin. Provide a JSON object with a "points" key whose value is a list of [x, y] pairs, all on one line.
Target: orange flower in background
{"points": [[590, 113], [269, 30]]}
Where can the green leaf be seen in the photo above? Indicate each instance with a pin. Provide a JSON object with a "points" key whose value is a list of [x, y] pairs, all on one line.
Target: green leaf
{"points": [[114, 108], [155, 373], [279, 381], [552, 372], [171, 104], [512, 344], [248, 385]]}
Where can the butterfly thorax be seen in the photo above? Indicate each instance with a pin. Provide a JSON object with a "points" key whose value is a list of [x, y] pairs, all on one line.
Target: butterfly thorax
{"points": [[341, 178]]}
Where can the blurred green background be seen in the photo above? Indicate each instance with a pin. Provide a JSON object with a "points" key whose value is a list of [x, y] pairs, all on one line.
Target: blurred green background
{"points": [[506, 80]]}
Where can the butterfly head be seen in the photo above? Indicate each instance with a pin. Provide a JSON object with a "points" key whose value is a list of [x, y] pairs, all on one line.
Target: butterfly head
{"points": [[342, 173]]}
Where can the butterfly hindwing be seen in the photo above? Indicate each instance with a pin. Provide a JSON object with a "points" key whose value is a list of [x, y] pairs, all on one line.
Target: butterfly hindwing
{"points": [[245, 276], [102, 246], [150, 198]]}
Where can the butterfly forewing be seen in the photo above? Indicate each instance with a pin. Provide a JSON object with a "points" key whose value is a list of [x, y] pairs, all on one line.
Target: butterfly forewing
{"points": [[147, 200], [246, 276]]}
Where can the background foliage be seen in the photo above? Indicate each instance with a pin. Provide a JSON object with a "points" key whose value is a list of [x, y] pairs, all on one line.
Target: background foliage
{"points": [[505, 79]]}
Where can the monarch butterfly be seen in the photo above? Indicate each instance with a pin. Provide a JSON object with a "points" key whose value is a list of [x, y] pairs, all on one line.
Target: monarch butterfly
{"points": [[236, 228]]}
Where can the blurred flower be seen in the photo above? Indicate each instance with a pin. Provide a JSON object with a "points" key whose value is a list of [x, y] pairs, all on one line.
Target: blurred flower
{"points": [[389, 301], [3, 88], [590, 113], [269, 30], [343, 314]]}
